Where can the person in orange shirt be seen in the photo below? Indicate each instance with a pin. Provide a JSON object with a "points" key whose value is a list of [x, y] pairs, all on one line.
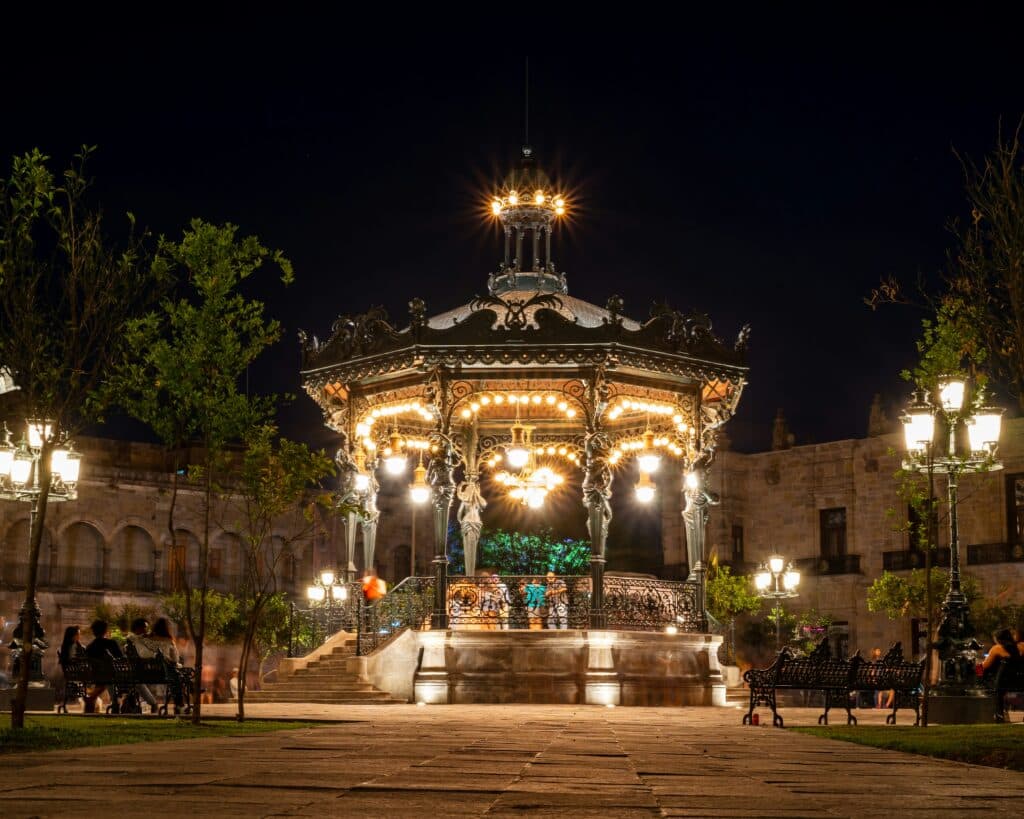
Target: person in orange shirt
{"points": [[374, 588]]}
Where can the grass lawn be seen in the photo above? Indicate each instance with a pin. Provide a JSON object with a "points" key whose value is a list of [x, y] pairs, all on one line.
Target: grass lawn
{"points": [[999, 746], [48, 733]]}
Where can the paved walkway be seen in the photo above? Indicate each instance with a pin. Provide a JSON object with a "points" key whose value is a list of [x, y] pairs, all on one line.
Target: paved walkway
{"points": [[517, 760]]}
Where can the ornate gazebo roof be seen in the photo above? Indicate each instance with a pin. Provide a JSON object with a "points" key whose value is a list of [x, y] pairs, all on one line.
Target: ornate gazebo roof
{"points": [[584, 386]]}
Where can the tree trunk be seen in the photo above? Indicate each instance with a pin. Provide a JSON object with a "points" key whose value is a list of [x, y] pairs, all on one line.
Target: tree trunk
{"points": [[28, 622], [204, 553]]}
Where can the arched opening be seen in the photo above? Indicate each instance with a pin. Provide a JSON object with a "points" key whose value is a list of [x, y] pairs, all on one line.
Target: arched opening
{"points": [[131, 562], [15, 556], [79, 557], [227, 563]]}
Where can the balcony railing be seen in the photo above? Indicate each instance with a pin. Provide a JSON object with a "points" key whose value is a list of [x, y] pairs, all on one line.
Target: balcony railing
{"points": [[907, 559], [994, 553], [842, 564]]}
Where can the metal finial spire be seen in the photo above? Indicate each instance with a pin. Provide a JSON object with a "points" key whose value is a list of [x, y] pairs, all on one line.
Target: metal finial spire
{"points": [[526, 116]]}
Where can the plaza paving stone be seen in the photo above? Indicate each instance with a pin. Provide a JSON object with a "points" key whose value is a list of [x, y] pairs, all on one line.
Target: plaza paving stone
{"points": [[516, 760]]}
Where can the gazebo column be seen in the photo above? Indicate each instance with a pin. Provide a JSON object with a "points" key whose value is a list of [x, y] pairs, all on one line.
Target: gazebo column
{"points": [[695, 519], [471, 502], [369, 519], [597, 493], [508, 246], [442, 493], [519, 249], [536, 248], [351, 529]]}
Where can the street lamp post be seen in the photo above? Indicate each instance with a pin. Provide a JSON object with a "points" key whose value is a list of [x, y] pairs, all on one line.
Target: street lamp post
{"points": [[775, 580], [951, 434], [325, 592], [20, 480]]}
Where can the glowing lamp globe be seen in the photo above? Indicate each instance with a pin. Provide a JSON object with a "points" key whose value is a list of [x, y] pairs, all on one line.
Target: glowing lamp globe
{"points": [[362, 482], [21, 467], [791, 579], [762, 579], [645, 488], [918, 425], [339, 592], [983, 433], [315, 593], [419, 489], [327, 577], [776, 564], [951, 394]]}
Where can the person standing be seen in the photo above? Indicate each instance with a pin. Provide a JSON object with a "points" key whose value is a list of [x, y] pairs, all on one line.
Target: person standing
{"points": [[557, 597], [534, 594], [144, 651]]}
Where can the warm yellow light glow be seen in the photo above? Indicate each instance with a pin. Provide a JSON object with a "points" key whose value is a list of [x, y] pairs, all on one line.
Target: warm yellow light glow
{"points": [[538, 197], [362, 482], [559, 202], [560, 211], [339, 592], [316, 593], [21, 468], [550, 400], [692, 480], [791, 579], [419, 489], [571, 413], [984, 431], [536, 399], [645, 488], [38, 431], [762, 580], [499, 399], [513, 198], [496, 207], [776, 564], [485, 400], [951, 394]]}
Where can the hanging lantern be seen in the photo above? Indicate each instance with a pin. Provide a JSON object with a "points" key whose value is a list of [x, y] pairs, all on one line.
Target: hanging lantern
{"points": [[395, 461], [648, 459], [645, 488], [419, 489], [518, 452]]}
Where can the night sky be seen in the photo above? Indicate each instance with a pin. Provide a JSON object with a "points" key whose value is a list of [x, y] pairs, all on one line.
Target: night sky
{"points": [[772, 184]]}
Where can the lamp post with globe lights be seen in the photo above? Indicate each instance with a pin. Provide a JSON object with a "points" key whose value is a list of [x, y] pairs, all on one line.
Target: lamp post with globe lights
{"points": [[21, 479], [326, 591], [777, 580], [951, 433]]}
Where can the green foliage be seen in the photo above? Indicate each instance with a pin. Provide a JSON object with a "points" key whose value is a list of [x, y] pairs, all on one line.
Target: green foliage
{"points": [[729, 595], [998, 746], [120, 618], [223, 619], [193, 351], [901, 596], [51, 732], [522, 553], [950, 343], [991, 618]]}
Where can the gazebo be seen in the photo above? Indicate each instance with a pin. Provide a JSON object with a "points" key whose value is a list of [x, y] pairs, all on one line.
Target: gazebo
{"points": [[519, 386]]}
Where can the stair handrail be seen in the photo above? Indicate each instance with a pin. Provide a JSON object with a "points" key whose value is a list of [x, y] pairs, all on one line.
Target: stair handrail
{"points": [[407, 605]]}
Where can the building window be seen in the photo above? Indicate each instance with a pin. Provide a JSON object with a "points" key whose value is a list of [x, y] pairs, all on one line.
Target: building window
{"points": [[176, 567], [216, 562], [833, 532], [737, 543], [1015, 504]]}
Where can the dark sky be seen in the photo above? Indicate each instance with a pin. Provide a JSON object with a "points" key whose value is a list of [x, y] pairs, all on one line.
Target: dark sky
{"points": [[770, 182]]}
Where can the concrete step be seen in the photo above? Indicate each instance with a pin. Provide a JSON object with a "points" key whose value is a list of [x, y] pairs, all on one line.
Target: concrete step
{"points": [[377, 698]]}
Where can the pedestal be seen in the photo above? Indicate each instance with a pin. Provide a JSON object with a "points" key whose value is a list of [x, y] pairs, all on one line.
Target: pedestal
{"points": [[961, 709]]}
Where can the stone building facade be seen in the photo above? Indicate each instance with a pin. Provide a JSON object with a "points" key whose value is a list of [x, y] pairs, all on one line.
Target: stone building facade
{"points": [[835, 511], [111, 545]]}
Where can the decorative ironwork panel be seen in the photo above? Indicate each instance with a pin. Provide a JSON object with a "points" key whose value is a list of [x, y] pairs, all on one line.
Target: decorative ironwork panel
{"points": [[407, 605], [518, 602], [640, 604]]}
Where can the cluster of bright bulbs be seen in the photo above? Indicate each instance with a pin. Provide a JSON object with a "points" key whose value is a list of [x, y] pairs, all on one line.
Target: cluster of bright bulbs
{"points": [[16, 461], [536, 399], [539, 199], [631, 447], [631, 405], [365, 426], [562, 451], [530, 488]]}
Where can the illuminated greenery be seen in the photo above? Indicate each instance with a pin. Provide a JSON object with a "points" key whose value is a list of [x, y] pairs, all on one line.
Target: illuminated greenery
{"points": [[902, 596], [521, 553]]}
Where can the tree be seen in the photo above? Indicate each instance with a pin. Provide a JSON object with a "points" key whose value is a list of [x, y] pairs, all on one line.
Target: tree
{"points": [[902, 596], [728, 596], [66, 293], [523, 553], [223, 613], [272, 501], [193, 352]]}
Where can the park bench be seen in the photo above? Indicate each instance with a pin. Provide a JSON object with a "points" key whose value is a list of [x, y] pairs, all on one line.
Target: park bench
{"points": [[836, 679], [122, 675]]}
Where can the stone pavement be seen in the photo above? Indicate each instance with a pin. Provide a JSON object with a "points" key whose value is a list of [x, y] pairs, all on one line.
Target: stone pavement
{"points": [[479, 760]]}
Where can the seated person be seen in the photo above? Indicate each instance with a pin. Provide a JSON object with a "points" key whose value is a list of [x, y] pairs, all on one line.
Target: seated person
{"points": [[101, 648], [138, 640], [1006, 647]]}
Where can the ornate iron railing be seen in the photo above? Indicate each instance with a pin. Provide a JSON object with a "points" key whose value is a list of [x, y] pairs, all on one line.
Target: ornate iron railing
{"points": [[906, 559], [309, 628], [994, 553], [518, 602], [640, 604], [407, 605], [497, 604]]}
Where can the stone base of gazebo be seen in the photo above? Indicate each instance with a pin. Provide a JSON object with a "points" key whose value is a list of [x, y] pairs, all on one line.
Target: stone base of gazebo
{"points": [[570, 667]]}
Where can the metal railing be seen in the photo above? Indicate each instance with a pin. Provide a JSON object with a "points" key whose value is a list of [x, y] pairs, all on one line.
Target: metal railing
{"points": [[994, 553], [407, 606], [840, 564], [904, 559], [310, 627]]}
